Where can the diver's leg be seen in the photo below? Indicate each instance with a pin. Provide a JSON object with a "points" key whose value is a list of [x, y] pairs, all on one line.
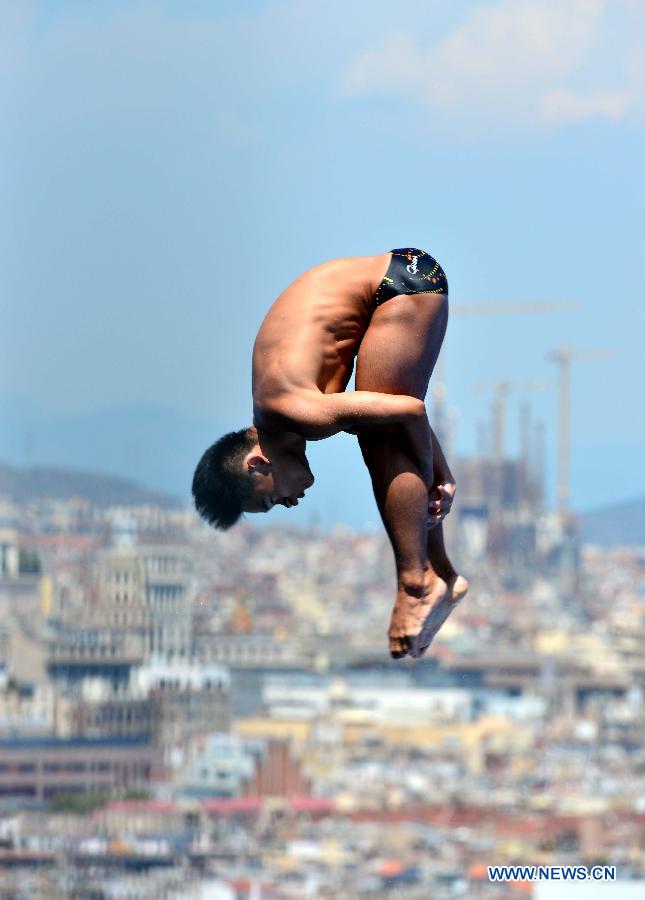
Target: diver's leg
{"points": [[457, 584], [397, 355], [402, 499]]}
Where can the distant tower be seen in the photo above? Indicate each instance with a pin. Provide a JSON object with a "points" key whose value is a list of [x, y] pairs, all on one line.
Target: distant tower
{"points": [[483, 439], [525, 450], [538, 460]]}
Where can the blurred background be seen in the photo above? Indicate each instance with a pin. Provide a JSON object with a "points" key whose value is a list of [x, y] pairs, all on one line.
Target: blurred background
{"points": [[191, 714]]}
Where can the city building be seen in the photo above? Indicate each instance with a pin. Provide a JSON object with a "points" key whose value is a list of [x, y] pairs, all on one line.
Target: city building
{"points": [[40, 768], [147, 590]]}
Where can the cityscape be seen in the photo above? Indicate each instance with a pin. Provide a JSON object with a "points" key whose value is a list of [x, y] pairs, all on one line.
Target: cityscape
{"points": [[190, 713]]}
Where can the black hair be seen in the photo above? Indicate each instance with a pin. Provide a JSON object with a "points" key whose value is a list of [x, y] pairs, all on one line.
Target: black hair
{"points": [[220, 485]]}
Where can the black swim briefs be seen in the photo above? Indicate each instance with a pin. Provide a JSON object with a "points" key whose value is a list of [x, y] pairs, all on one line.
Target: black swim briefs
{"points": [[411, 271]]}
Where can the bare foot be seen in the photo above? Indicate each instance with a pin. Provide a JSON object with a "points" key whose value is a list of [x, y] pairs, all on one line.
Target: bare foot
{"points": [[415, 611], [457, 590]]}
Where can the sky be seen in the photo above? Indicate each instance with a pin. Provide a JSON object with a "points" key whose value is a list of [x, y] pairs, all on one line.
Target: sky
{"points": [[167, 168]]}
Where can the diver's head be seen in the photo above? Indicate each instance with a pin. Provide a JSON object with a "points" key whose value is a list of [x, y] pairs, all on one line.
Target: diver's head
{"points": [[243, 472]]}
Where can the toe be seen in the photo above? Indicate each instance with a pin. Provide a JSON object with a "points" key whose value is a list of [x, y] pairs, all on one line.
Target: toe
{"points": [[397, 647]]}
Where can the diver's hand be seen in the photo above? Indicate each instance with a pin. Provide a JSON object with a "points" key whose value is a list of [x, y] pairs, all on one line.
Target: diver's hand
{"points": [[440, 502]]}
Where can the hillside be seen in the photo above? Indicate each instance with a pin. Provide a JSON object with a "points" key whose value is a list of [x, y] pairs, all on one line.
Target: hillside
{"points": [[618, 524], [23, 484]]}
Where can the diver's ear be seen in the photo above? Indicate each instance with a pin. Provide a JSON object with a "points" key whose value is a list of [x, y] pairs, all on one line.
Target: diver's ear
{"points": [[256, 461]]}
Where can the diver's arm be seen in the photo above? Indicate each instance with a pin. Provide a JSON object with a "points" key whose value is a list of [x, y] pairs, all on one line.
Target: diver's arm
{"points": [[316, 415]]}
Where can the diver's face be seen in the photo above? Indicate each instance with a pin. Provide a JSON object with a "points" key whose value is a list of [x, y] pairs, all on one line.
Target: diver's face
{"points": [[282, 481]]}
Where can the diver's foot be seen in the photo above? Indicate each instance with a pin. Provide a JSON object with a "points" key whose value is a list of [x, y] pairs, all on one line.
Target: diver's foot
{"points": [[457, 589], [414, 608]]}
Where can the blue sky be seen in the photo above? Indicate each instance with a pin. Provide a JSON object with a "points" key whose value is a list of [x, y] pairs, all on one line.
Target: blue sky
{"points": [[166, 168]]}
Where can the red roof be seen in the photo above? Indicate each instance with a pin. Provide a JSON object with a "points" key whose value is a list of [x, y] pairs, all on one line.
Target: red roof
{"points": [[305, 803], [237, 804], [391, 867]]}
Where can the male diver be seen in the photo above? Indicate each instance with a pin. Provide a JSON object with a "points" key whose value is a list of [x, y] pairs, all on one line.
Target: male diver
{"points": [[389, 312]]}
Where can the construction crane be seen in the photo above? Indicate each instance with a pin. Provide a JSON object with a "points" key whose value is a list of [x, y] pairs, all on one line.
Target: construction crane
{"points": [[504, 308], [563, 357], [491, 308]]}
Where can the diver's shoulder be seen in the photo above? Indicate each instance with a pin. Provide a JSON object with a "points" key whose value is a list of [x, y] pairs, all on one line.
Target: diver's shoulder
{"points": [[289, 409]]}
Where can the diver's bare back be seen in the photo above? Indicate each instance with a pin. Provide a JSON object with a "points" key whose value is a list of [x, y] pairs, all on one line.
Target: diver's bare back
{"points": [[310, 336]]}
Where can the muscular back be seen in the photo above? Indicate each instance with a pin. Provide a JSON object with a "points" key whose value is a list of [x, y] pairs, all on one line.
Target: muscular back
{"points": [[310, 336]]}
